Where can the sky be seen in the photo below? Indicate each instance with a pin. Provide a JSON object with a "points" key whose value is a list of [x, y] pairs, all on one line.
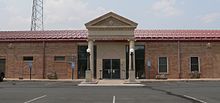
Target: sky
{"points": [[15, 15]]}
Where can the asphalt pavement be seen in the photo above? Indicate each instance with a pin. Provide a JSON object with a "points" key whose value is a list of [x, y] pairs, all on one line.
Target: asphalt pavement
{"points": [[69, 92], [206, 91]]}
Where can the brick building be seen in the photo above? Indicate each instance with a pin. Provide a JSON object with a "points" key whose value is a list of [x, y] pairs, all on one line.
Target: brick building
{"points": [[113, 43]]}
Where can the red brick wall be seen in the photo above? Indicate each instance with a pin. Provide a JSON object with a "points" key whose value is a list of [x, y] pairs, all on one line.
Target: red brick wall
{"points": [[16, 67], [63, 69], [209, 58], [153, 50]]}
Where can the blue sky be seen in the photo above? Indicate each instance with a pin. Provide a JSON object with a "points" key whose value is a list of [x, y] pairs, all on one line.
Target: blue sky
{"points": [[149, 14]]}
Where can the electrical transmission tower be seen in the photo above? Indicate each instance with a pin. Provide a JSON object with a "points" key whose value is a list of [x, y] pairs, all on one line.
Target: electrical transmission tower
{"points": [[37, 16]]}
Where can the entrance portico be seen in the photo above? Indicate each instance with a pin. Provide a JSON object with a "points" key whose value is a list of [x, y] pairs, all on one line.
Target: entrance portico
{"points": [[111, 34]]}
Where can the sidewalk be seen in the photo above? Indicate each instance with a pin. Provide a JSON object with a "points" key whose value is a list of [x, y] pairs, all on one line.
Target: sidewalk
{"points": [[44, 80], [114, 82], [180, 80]]}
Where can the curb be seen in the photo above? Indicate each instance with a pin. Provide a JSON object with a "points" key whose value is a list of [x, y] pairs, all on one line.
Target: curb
{"points": [[189, 80], [140, 81], [43, 80], [112, 85]]}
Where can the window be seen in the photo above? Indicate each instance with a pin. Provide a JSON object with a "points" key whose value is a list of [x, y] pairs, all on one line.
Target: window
{"points": [[139, 61], [194, 61], [82, 61], [59, 58], [28, 58], [163, 65]]}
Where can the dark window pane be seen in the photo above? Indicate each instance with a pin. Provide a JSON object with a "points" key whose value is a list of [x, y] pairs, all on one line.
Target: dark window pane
{"points": [[139, 61], [82, 55], [115, 63], [194, 64], [194, 67], [95, 56], [82, 49], [59, 58], [163, 60], [107, 63], [162, 64], [2, 65], [82, 61], [194, 60], [82, 68], [139, 52], [162, 68], [127, 60], [28, 58]]}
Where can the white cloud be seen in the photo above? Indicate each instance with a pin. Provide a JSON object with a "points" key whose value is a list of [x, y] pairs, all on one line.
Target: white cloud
{"points": [[165, 8], [58, 14], [210, 18], [65, 12], [13, 17]]}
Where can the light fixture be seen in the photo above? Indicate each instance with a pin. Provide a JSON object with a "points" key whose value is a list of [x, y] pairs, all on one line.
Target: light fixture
{"points": [[131, 50], [88, 50], [208, 45]]}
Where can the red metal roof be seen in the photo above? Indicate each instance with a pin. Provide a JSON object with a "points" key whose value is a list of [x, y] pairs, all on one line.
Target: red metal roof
{"points": [[43, 35], [74, 35], [177, 34]]}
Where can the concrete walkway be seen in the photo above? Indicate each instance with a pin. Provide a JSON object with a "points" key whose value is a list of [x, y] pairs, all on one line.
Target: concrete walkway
{"points": [[110, 83]]}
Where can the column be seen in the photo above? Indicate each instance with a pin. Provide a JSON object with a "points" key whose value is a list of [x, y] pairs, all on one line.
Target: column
{"points": [[90, 46], [89, 71], [131, 78]]}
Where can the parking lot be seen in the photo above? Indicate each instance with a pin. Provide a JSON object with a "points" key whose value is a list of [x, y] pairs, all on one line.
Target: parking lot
{"points": [[69, 92]]}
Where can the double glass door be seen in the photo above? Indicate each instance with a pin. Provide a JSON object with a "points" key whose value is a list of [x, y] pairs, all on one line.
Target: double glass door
{"points": [[111, 68]]}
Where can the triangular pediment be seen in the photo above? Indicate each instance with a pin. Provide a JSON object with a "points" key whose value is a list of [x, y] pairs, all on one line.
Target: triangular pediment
{"points": [[111, 20]]}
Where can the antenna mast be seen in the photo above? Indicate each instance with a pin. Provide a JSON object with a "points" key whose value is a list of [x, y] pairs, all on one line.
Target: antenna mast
{"points": [[37, 16]]}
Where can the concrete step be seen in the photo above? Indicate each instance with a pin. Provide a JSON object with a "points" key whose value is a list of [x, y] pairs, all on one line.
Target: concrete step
{"points": [[110, 83]]}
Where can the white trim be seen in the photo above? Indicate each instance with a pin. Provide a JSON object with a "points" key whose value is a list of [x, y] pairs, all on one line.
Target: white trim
{"points": [[167, 65]]}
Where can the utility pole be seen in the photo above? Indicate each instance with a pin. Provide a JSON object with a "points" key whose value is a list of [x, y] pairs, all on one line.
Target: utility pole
{"points": [[37, 16]]}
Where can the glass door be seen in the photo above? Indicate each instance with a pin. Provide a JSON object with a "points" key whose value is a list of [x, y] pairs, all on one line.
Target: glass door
{"points": [[111, 68]]}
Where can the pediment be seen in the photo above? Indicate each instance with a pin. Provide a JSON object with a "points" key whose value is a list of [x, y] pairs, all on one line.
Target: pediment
{"points": [[111, 20]]}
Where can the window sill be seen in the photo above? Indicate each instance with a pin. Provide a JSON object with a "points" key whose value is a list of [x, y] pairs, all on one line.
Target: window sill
{"points": [[195, 74], [163, 73], [60, 61], [161, 76]]}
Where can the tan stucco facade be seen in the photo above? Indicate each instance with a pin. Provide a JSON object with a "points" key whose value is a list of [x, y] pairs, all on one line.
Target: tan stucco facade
{"points": [[111, 50], [107, 28]]}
